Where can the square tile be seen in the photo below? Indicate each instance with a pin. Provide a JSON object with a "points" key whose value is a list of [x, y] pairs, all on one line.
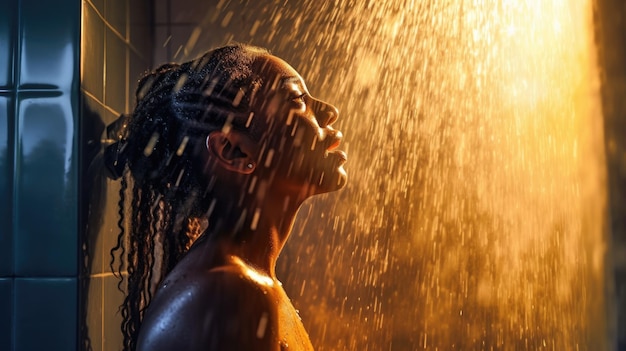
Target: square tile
{"points": [[46, 239], [191, 12], [98, 5], [161, 12], [7, 123], [45, 314], [7, 41], [112, 318], [141, 28], [116, 14], [49, 44], [6, 312], [115, 77], [92, 53], [93, 305]]}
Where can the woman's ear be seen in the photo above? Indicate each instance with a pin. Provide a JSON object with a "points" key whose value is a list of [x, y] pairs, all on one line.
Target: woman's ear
{"points": [[230, 151]]}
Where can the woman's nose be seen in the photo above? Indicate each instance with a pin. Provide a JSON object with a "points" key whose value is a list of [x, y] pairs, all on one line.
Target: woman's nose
{"points": [[326, 114]]}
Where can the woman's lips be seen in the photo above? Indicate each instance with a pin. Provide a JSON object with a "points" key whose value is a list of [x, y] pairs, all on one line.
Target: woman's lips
{"points": [[339, 154], [334, 145], [331, 149]]}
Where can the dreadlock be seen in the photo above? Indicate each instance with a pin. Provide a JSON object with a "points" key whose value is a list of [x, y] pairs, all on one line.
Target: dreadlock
{"points": [[162, 194]]}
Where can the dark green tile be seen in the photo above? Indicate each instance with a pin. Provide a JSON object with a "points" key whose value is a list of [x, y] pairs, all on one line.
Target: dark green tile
{"points": [[6, 313], [49, 44], [115, 79], [7, 41], [93, 53], [6, 186], [45, 314], [46, 202], [93, 186]]}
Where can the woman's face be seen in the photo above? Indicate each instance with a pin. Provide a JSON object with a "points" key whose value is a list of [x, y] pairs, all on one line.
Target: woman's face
{"points": [[300, 149]]}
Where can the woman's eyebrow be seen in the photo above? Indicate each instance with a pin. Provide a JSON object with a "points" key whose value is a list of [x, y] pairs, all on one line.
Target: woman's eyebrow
{"points": [[293, 80], [289, 79]]}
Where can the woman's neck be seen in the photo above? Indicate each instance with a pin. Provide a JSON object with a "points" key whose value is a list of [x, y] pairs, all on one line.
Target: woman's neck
{"points": [[255, 234]]}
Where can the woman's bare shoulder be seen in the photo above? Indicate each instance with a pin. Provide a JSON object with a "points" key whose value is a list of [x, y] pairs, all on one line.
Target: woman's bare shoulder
{"points": [[222, 308]]}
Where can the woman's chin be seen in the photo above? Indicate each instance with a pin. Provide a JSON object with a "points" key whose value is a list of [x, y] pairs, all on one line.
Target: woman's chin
{"points": [[315, 183], [331, 181]]}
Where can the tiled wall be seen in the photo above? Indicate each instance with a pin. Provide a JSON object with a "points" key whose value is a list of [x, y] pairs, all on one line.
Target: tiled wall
{"points": [[176, 20], [116, 51], [38, 174]]}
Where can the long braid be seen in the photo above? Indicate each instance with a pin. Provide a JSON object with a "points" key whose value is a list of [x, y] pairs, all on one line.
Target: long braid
{"points": [[132, 307], [119, 246]]}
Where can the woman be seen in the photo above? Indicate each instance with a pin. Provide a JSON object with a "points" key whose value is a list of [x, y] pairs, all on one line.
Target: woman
{"points": [[231, 143]]}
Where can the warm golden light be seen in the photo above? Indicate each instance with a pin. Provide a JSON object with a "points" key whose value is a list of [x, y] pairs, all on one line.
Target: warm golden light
{"points": [[482, 153], [474, 215]]}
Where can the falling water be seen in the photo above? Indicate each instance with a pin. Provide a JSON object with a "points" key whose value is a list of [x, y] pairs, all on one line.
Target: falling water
{"points": [[474, 217]]}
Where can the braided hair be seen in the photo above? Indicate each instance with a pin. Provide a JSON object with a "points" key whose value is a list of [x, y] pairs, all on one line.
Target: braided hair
{"points": [[162, 192]]}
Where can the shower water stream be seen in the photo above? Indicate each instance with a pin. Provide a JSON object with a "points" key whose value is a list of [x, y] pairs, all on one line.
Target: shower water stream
{"points": [[475, 214]]}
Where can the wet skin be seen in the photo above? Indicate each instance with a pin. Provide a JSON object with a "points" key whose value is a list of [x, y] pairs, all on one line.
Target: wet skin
{"points": [[224, 294]]}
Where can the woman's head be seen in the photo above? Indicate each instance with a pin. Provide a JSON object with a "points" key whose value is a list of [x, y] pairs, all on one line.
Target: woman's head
{"points": [[177, 107], [233, 116]]}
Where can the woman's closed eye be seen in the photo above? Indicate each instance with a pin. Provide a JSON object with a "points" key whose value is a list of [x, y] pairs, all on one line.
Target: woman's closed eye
{"points": [[299, 98]]}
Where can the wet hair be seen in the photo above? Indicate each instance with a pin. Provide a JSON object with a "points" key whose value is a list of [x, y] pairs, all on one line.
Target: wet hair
{"points": [[162, 190]]}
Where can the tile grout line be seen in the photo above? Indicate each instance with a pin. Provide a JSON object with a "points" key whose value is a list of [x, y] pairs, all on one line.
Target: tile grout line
{"points": [[16, 78], [104, 58], [101, 275], [102, 314], [114, 30], [168, 51], [127, 79], [127, 57], [108, 108]]}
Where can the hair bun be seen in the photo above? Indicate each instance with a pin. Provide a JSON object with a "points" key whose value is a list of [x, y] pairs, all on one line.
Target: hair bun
{"points": [[115, 155]]}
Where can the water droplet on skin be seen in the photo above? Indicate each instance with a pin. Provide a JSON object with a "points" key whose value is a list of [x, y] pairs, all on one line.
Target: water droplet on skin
{"points": [[262, 326], [238, 97], [268, 158], [255, 219], [249, 119]]}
